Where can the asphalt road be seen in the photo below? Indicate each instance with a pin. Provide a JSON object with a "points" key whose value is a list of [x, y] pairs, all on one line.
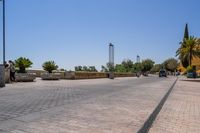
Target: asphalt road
{"points": [[80, 106]]}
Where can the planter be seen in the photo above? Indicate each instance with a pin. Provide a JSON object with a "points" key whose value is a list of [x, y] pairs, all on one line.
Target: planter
{"points": [[25, 77], [50, 76], [191, 75]]}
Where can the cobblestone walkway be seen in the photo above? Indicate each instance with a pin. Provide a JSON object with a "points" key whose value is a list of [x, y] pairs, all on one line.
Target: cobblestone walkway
{"points": [[181, 112], [81, 106]]}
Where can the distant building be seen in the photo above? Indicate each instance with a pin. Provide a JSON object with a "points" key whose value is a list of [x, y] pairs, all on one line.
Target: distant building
{"points": [[138, 59]]}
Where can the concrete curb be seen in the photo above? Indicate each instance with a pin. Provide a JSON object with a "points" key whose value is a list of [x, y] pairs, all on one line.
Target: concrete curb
{"points": [[148, 123]]}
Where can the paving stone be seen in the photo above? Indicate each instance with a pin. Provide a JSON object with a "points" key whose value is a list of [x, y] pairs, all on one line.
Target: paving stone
{"points": [[181, 112], [80, 106]]}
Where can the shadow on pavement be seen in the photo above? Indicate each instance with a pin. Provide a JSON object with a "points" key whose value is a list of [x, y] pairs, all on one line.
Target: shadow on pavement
{"points": [[191, 80]]}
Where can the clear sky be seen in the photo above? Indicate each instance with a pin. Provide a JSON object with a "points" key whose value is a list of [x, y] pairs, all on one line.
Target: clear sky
{"points": [[77, 32]]}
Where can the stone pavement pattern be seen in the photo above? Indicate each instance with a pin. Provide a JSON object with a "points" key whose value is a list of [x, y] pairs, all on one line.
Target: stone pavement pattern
{"points": [[181, 112], [81, 106]]}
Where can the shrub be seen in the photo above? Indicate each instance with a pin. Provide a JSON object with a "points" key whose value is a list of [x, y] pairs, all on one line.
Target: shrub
{"points": [[23, 63], [49, 66], [189, 69]]}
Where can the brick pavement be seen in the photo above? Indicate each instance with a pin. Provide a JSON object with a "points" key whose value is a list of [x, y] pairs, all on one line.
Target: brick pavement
{"points": [[82, 106], [181, 112]]}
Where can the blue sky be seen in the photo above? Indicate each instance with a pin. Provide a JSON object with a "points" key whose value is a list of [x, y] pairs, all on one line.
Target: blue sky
{"points": [[77, 32]]}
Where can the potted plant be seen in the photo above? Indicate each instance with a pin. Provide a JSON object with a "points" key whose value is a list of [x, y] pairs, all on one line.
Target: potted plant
{"points": [[22, 76], [50, 66]]}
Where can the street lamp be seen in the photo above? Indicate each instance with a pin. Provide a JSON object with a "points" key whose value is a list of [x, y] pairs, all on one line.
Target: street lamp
{"points": [[2, 71]]}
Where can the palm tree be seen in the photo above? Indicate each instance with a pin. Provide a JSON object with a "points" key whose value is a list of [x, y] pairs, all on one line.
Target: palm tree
{"points": [[189, 49], [180, 54]]}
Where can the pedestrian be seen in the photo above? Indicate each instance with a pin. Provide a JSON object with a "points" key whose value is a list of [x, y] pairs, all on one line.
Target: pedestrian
{"points": [[12, 70], [6, 65]]}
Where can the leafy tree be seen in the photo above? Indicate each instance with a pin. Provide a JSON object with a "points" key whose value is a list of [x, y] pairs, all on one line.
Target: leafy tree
{"points": [[85, 68], [78, 68], [186, 33], [104, 69], [191, 49], [137, 67], [147, 65], [92, 69], [120, 68], [62, 69], [179, 53], [128, 65], [189, 69], [23, 63], [49, 66], [170, 64], [110, 67], [156, 68]]}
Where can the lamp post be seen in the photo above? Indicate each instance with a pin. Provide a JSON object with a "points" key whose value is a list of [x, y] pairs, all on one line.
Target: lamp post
{"points": [[2, 71]]}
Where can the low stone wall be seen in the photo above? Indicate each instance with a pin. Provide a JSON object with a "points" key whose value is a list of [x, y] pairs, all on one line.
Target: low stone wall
{"points": [[89, 75], [124, 74], [37, 72], [82, 75], [94, 75], [50, 76]]}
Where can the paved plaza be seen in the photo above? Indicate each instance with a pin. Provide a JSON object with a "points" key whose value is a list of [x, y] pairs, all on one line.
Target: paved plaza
{"points": [[181, 112], [80, 106]]}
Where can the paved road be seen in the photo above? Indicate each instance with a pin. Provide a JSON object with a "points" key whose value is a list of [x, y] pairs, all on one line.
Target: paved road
{"points": [[181, 112], [81, 106]]}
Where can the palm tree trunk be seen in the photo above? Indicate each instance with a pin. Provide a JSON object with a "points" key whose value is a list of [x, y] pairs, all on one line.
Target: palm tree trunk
{"points": [[190, 57]]}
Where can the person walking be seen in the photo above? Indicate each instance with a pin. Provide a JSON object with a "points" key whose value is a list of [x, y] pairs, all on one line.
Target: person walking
{"points": [[12, 70]]}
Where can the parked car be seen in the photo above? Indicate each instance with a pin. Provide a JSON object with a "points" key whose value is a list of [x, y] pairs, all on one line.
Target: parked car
{"points": [[162, 73]]}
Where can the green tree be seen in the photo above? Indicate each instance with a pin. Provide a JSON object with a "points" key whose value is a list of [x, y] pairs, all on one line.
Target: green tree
{"points": [[189, 69], [183, 59], [85, 68], [147, 65], [78, 68], [137, 67], [92, 69], [191, 49], [104, 69], [156, 68], [49, 66], [110, 67], [170, 64], [127, 64], [23, 63], [120, 68], [186, 33]]}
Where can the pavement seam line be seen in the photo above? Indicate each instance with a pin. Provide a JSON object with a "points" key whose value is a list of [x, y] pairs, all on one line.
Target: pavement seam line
{"points": [[149, 122]]}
